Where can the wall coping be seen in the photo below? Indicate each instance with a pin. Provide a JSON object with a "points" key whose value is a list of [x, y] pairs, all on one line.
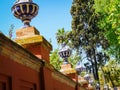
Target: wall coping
{"points": [[34, 40], [30, 35], [22, 56]]}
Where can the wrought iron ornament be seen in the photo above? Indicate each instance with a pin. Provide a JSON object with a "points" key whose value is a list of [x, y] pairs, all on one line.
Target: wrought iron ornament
{"points": [[25, 10]]}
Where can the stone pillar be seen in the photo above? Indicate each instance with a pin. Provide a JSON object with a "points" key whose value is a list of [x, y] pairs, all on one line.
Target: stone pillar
{"points": [[69, 71], [30, 39]]}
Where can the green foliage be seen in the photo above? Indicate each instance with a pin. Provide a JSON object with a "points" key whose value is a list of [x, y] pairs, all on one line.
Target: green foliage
{"points": [[83, 74], [55, 59], [109, 10], [86, 36], [101, 5], [61, 36], [112, 73], [101, 79], [74, 59]]}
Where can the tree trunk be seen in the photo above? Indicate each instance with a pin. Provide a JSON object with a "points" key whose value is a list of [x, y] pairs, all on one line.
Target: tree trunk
{"points": [[95, 66]]}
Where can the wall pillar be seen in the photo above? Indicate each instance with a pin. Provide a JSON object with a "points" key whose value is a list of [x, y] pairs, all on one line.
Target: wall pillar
{"points": [[69, 71], [30, 39]]}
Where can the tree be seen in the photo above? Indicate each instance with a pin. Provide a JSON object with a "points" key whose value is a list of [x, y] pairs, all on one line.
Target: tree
{"points": [[109, 10], [86, 36], [74, 59], [55, 59], [112, 73], [61, 36]]}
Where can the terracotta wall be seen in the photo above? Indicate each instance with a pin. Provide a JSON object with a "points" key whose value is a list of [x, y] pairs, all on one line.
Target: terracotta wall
{"points": [[14, 76], [21, 70], [56, 81], [39, 51]]}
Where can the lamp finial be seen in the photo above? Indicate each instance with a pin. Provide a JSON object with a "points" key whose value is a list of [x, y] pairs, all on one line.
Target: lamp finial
{"points": [[25, 10]]}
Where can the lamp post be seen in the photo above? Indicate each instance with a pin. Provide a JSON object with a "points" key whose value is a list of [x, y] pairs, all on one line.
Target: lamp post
{"points": [[25, 10]]}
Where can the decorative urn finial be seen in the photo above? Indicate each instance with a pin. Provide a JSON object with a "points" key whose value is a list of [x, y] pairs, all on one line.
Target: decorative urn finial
{"points": [[65, 52], [79, 68], [25, 10]]}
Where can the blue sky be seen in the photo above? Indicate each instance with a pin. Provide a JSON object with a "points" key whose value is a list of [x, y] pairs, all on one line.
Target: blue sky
{"points": [[53, 15]]}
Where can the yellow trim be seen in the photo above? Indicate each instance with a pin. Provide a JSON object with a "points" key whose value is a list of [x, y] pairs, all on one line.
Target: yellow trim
{"points": [[37, 7], [28, 40], [36, 10], [33, 9], [16, 11], [27, 8], [21, 8], [16, 15], [26, 21]]}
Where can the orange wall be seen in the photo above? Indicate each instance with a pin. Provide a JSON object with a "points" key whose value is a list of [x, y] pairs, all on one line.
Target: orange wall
{"points": [[15, 76], [21, 70], [40, 51], [53, 84]]}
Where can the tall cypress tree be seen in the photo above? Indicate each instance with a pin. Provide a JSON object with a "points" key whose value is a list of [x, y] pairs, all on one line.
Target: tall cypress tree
{"points": [[85, 36]]}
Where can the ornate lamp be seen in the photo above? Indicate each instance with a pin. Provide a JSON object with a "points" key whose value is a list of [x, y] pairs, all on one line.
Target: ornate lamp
{"points": [[25, 10], [65, 52]]}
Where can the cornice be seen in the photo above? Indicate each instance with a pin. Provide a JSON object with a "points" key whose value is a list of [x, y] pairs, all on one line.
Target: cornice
{"points": [[18, 54]]}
